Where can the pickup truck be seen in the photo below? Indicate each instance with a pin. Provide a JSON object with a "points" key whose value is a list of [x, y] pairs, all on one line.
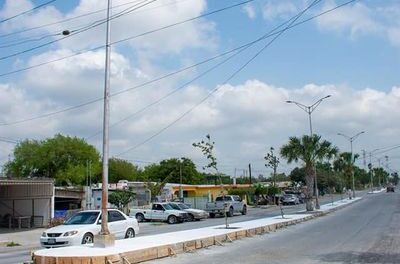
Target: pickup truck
{"points": [[159, 212], [233, 203]]}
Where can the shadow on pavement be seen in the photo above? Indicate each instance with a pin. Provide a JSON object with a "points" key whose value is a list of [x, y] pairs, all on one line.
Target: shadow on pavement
{"points": [[360, 257]]}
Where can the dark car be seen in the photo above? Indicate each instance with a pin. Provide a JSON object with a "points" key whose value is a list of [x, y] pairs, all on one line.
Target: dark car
{"points": [[390, 189]]}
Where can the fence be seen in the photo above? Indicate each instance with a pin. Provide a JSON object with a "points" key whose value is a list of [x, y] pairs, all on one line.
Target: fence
{"points": [[197, 202]]}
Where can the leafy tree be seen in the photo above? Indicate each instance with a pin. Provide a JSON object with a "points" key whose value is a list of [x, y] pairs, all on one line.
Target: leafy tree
{"points": [[297, 175], [281, 177], [207, 147], [344, 164], [121, 198], [272, 161], [173, 168], [259, 189], [61, 157], [380, 176], [308, 149], [120, 169]]}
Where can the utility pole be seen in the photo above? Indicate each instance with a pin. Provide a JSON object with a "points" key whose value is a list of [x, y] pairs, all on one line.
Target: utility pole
{"points": [[180, 183], [250, 173], [234, 177], [364, 160], [387, 167], [379, 174], [105, 239]]}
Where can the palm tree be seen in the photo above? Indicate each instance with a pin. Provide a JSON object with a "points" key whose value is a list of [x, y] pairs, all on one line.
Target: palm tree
{"points": [[308, 149], [345, 165]]}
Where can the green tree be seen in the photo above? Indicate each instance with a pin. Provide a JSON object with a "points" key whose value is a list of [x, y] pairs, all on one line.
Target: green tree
{"points": [[259, 189], [207, 148], [344, 164], [121, 199], [61, 157], [272, 161], [173, 168], [298, 176], [308, 149], [120, 169]]}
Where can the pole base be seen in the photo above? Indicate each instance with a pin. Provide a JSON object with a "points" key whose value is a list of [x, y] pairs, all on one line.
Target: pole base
{"points": [[104, 241]]}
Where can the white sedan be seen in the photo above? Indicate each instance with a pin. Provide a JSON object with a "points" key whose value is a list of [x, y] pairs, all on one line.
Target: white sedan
{"points": [[83, 226]]}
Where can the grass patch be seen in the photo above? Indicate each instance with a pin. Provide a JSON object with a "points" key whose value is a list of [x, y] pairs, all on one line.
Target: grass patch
{"points": [[12, 244]]}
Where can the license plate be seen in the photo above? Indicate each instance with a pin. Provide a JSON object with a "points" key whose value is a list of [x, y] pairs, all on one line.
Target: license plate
{"points": [[51, 241]]}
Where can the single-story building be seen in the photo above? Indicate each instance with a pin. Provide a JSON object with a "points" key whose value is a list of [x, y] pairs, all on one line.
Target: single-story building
{"points": [[26, 202]]}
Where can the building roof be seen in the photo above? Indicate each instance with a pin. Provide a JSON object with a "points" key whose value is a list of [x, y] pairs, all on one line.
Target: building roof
{"points": [[25, 181]]}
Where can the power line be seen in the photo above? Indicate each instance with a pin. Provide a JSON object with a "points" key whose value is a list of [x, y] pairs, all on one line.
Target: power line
{"points": [[156, 79], [83, 15], [218, 87], [27, 11], [8, 140], [185, 84], [130, 38], [73, 32]]}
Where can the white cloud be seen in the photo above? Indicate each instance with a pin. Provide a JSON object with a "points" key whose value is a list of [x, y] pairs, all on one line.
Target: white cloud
{"points": [[250, 11], [244, 120], [357, 19], [361, 19], [279, 9]]}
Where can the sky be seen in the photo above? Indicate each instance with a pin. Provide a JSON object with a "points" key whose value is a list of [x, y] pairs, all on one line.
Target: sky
{"points": [[164, 99]]}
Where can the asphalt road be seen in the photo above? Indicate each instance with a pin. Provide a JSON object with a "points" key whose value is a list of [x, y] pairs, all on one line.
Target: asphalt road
{"points": [[17, 256], [365, 232]]}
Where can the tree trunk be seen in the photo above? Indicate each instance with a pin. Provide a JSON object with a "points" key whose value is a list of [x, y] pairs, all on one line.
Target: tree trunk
{"points": [[309, 171]]}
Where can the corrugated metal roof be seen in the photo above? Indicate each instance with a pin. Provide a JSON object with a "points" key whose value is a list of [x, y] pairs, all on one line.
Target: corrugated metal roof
{"points": [[36, 181]]}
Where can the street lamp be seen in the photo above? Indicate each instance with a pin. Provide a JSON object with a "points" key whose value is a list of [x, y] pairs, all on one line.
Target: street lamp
{"points": [[351, 139], [370, 167], [309, 110]]}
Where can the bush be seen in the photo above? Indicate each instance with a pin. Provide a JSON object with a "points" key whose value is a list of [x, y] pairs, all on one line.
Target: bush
{"points": [[55, 222]]}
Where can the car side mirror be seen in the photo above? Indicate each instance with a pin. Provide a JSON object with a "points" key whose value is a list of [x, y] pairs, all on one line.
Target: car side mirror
{"points": [[99, 222]]}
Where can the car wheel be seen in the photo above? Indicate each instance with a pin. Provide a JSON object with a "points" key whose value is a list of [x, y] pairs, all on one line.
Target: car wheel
{"points": [[212, 215], [140, 217], [87, 238], [190, 218], [172, 219], [130, 233], [230, 212], [244, 211]]}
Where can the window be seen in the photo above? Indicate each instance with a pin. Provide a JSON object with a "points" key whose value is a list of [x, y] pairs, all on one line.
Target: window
{"points": [[82, 218], [237, 198], [158, 207], [115, 216]]}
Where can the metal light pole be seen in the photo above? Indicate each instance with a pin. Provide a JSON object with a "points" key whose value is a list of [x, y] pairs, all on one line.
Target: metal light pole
{"points": [[309, 109], [370, 168], [351, 139], [105, 239]]}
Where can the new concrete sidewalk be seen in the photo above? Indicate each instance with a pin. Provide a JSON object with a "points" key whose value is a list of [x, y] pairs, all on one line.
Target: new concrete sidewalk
{"points": [[162, 245], [28, 239]]}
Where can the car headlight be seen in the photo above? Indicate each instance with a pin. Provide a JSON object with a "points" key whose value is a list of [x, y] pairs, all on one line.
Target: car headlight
{"points": [[44, 234], [70, 233]]}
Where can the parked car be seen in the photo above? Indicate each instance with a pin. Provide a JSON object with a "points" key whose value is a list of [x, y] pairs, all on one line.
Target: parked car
{"points": [[299, 194], [390, 189], [233, 203], [81, 228], [160, 212], [193, 214], [290, 199]]}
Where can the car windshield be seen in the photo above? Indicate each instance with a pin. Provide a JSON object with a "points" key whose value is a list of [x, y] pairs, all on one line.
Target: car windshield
{"points": [[183, 206], [83, 218], [168, 207], [174, 206]]}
